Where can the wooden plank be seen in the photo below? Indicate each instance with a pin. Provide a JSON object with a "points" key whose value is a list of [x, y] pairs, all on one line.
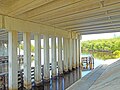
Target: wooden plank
{"points": [[48, 7], [26, 5]]}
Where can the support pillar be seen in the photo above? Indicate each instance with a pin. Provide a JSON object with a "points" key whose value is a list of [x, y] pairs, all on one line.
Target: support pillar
{"points": [[13, 62], [60, 66], [74, 54], [78, 53], [71, 54], [80, 37], [54, 63], [38, 76], [65, 43], [46, 59], [27, 60]]}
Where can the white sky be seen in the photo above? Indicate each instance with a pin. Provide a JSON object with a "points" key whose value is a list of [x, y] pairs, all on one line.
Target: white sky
{"points": [[100, 36]]}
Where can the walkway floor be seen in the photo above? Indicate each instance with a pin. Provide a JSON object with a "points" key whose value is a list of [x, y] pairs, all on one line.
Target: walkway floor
{"points": [[102, 78], [61, 83]]}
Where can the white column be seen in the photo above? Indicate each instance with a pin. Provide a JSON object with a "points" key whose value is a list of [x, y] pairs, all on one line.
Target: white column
{"points": [[73, 62], [71, 54], [80, 55], [38, 76], [46, 58], [65, 43], [74, 54], [27, 60], [53, 50], [60, 66], [67, 51], [78, 52], [13, 61]]}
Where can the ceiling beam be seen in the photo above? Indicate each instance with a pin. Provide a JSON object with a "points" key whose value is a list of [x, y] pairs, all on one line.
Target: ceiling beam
{"points": [[23, 6], [87, 18], [100, 25], [96, 27], [26, 26], [93, 24], [57, 4], [84, 13], [98, 31], [83, 6]]}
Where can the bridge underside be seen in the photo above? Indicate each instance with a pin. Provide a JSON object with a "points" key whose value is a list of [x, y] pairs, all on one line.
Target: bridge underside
{"points": [[61, 20]]}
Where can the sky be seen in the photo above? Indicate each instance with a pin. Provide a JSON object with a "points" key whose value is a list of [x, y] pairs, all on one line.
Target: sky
{"points": [[100, 36]]}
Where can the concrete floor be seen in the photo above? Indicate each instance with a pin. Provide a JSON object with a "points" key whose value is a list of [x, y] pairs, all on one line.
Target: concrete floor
{"points": [[104, 77]]}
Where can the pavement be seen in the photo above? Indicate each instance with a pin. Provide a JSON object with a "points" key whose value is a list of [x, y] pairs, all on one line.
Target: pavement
{"points": [[104, 77]]}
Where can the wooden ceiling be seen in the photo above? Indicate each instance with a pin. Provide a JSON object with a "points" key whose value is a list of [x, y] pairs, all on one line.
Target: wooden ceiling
{"points": [[84, 16]]}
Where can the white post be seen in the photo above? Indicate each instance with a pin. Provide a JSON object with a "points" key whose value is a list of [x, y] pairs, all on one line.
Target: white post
{"points": [[65, 43], [79, 42], [60, 66], [27, 60], [71, 55], [67, 52], [53, 50], [46, 59], [13, 61], [74, 53], [38, 76], [78, 53]]}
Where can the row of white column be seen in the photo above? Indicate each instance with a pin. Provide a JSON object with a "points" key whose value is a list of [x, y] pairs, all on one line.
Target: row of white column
{"points": [[71, 54]]}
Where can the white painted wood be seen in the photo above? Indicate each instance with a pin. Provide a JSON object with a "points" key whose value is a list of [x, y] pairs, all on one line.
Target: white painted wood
{"points": [[46, 58], [80, 58], [65, 43], [78, 52], [38, 76], [27, 60], [74, 53], [71, 54], [60, 63], [53, 50], [67, 52], [13, 62]]}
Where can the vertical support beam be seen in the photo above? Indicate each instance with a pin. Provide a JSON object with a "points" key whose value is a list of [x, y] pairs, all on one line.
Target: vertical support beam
{"points": [[73, 62], [60, 66], [74, 54], [65, 43], [27, 60], [54, 63], [71, 54], [46, 59], [80, 37], [78, 53], [38, 76], [13, 62]]}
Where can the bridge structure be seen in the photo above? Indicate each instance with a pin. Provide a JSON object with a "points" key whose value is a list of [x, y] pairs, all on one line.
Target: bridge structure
{"points": [[64, 21]]}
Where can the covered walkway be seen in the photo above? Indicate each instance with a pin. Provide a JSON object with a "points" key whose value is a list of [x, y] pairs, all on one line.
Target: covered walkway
{"points": [[60, 23]]}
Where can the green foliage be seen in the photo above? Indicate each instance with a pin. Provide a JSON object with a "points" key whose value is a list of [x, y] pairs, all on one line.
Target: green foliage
{"points": [[116, 53], [109, 45], [32, 47]]}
